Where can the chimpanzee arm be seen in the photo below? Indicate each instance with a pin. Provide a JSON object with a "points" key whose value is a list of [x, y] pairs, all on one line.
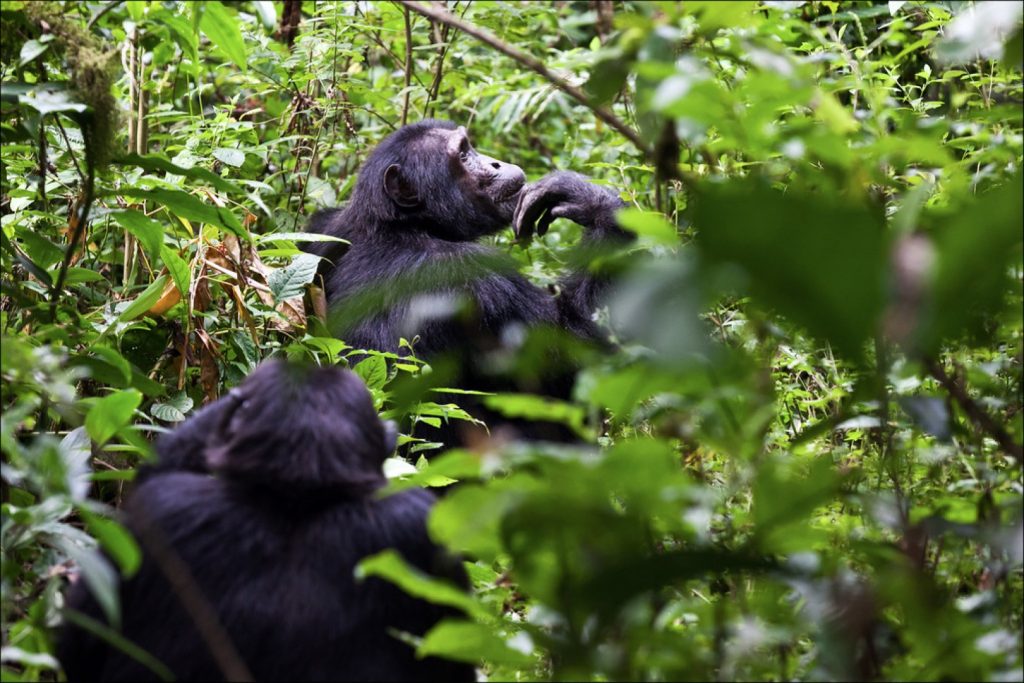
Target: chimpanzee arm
{"points": [[564, 194]]}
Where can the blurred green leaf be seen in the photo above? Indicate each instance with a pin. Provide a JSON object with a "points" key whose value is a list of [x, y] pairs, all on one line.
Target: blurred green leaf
{"points": [[389, 565], [817, 259], [221, 27], [110, 413], [469, 642], [115, 540]]}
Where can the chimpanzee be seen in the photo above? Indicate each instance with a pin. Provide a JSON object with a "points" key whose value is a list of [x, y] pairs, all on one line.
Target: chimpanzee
{"points": [[251, 525], [423, 199]]}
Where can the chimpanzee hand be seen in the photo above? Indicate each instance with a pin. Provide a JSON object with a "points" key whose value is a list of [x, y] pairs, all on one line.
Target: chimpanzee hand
{"points": [[564, 194]]}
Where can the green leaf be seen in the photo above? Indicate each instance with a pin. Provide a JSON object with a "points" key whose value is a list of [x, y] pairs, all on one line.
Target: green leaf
{"points": [[191, 207], [144, 301], [373, 370], [76, 276], [156, 162], [221, 27], [389, 565], [231, 157], [267, 12], [115, 360], [785, 495], [75, 451], [99, 576], [467, 641], [186, 37], [299, 237], [178, 268], [115, 540], [713, 14], [975, 247], [650, 226], [538, 408], [173, 410], [817, 259], [110, 413], [49, 100], [291, 280], [149, 233], [30, 50]]}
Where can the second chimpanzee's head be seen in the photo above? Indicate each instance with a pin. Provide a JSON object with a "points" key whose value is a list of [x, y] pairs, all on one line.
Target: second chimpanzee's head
{"points": [[428, 176], [300, 429]]}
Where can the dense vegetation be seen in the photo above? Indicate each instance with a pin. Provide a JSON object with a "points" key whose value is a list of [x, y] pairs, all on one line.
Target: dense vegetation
{"points": [[803, 461]]}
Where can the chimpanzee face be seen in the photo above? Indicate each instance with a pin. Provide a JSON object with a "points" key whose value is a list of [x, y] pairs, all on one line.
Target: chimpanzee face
{"points": [[434, 180], [492, 182]]}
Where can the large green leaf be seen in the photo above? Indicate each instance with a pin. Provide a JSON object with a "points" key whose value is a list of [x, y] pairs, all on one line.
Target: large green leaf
{"points": [[291, 280], [178, 268], [389, 565], [111, 413], [143, 302], [157, 162], [189, 206], [116, 541], [975, 248], [149, 233], [815, 258], [467, 641], [221, 27]]}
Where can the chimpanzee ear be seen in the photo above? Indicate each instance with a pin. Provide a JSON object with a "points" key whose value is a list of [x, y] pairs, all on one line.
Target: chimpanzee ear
{"points": [[398, 187]]}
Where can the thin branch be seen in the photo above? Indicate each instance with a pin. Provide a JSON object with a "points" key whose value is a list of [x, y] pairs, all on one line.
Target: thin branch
{"points": [[445, 17], [78, 224], [71, 152], [408, 63], [978, 415], [106, 8]]}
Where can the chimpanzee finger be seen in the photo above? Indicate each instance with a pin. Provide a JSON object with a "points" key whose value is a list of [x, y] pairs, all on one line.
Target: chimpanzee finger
{"points": [[545, 222], [517, 227], [531, 205]]}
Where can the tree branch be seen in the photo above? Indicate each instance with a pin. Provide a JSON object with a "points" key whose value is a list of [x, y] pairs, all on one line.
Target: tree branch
{"points": [[978, 415], [408, 63], [532, 63]]}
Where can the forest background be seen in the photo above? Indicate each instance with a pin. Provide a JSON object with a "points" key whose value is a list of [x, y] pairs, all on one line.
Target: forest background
{"points": [[803, 460]]}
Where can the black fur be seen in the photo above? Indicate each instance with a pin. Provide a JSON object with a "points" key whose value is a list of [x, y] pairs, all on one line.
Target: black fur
{"points": [[429, 245], [267, 497]]}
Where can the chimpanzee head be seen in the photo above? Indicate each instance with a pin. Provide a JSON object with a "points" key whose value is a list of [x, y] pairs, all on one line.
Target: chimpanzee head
{"points": [[299, 428], [427, 176]]}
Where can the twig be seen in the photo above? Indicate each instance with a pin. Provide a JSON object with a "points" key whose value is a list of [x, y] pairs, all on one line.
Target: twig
{"points": [[78, 228], [71, 152], [408, 63], [106, 8], [978, 415], [532, 63]]}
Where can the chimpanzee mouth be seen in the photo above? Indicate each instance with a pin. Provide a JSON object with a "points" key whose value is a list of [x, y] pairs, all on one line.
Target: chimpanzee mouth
{"points": [[510, 194]]}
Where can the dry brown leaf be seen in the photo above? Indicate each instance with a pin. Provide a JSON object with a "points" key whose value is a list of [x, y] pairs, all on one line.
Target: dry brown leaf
{"points": [[168, 298]]}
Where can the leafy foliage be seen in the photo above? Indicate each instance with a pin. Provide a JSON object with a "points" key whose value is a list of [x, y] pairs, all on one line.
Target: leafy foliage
{"points": [[802, 461]]}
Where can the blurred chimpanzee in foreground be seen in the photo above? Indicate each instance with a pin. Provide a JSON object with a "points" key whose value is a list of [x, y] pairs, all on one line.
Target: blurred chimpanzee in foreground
{"points": [[413, 267], [251, 524]]}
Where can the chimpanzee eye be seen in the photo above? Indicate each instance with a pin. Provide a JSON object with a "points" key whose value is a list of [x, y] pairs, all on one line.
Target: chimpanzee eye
{"points": [[464, 149]]}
